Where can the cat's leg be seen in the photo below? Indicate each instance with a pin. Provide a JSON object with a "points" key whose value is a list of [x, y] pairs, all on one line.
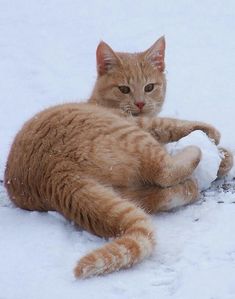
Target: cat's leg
{"points": [[135, 157], [103, 212], [167, 130], [155, 199], [146, 161], [226, 163], [158, 167]]}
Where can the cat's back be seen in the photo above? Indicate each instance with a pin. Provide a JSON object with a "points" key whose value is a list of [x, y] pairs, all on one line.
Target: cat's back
{"points": [[61, 134], [66, 118], [62, 125]]}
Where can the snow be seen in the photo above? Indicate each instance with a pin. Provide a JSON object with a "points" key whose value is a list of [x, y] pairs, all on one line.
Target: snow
{"points": [[206, 171], [47, 56]]}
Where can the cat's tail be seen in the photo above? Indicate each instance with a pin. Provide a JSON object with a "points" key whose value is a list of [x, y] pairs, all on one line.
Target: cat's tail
{"points": [[101, 211], [134, 245]]}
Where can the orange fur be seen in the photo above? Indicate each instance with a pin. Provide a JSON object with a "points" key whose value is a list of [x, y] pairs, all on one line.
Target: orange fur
{"points": [[103, 165]]}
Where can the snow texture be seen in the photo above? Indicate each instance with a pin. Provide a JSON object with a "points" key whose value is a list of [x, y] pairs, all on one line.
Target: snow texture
{"points": [[206, 171], [47, 57]]}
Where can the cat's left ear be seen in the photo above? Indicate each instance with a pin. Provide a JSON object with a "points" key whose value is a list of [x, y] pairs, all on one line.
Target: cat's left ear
{"points": [[156, 54]]}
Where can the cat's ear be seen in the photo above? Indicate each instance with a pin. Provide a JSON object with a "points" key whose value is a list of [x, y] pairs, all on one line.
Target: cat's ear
{"points": [[156, 54], [106, 59]]}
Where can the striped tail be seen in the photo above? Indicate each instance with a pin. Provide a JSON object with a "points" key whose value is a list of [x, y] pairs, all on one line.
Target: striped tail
{"points": [[136, 243], [101, 211]]}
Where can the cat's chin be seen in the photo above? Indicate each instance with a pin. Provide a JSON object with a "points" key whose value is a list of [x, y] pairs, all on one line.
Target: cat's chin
{"points": [[144, 113], [141, 113], [135, 113]]}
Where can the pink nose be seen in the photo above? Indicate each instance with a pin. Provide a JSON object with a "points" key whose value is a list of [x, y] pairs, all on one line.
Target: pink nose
{"points": [[140, 105]]}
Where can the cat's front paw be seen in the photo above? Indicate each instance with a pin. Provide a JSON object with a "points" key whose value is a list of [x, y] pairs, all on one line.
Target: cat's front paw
{"points": [[226, 163], [211, 132]]}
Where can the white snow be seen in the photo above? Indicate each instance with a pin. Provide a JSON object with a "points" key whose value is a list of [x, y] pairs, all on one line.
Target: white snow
{"points": [[47, 56], [206, 171]]}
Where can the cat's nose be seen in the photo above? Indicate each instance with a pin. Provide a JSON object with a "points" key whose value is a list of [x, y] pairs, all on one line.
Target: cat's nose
{"points": [[140, 105]]}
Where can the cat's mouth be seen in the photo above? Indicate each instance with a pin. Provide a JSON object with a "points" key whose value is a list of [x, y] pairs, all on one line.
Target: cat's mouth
{"points": [[141, 111], [137, 113], [149, 109]]}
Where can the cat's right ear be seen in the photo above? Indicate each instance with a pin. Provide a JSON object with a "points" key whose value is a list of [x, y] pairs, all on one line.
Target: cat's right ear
{"points": [[106, 59]]}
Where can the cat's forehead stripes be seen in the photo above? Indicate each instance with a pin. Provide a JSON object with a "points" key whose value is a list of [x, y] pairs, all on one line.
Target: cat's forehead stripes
{"points": [[135, 69]]}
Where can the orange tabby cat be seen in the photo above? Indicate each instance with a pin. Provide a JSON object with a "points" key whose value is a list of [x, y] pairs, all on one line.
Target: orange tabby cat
{"points": [[102, 164]]}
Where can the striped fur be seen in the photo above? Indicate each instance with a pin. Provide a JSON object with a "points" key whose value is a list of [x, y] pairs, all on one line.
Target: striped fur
{"points": [[74, 159], [102, 164]]}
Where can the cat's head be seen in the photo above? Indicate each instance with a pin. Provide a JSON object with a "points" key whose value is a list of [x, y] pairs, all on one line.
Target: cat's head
{"points": [[131, 82]]}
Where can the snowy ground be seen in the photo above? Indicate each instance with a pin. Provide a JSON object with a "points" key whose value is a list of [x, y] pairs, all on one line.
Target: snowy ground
{"points": [[47, 56]]}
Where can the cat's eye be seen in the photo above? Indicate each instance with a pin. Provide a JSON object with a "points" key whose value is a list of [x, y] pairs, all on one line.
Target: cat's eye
{"points": [[124, 89], [149, 87]]}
